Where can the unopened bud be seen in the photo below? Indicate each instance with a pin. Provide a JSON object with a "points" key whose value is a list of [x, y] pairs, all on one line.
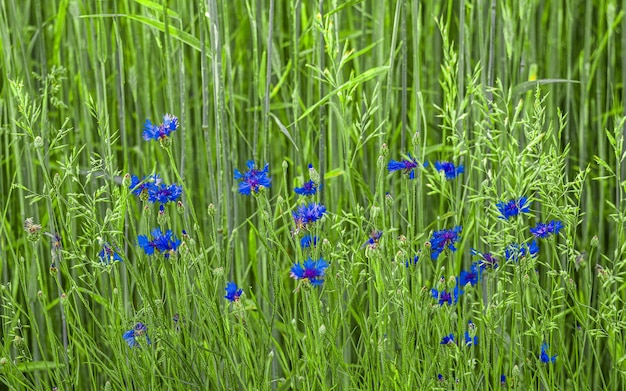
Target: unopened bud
{"points": [[38, 142]]}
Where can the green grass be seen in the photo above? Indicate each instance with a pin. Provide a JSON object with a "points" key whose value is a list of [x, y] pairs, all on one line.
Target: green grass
{"points": [[528, 96]]}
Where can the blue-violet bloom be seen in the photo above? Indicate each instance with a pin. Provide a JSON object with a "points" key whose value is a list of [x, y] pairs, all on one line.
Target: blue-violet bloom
{"points": [[544, 356], [407, 166], [513, 207], [544, 230], [311, 270], [309, 188], [449, 169], [108, 255], [471, 276], [443, 239], [307, 214], [162, 131], [308, 241], [164, 243], [253, 180], [232, 292], [131, 335]]}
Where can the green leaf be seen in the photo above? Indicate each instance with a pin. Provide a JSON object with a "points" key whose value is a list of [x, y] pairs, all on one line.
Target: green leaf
{"points": [[284, 130]]}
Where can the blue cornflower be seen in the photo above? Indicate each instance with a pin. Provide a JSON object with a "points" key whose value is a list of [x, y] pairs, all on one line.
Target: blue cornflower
{"points": [[544, 230], [308, 241], [164, 243], [513, 207], [447, 340], [108, 255], [131, 335], [165, 194], [144, 187], [253, 180], [311, 270], [163, 131], [447, 297], [468, 336], [544, 356], [472, 276], [309, 188], [487, 261], [514, 251], [449, 169], [440, 377], [373, 240], [407, 166], [308, 213], [503, 380], [414, 261], [442, 239], [232, 292]]}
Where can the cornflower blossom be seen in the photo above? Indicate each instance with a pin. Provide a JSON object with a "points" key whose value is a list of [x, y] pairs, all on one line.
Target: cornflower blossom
{"points": [[162, 131], [488, 261], [544, 230], [443, 239], [514, 251], [108, 255], [447, 340], [164, 194], [309, 188], [143, 187], [445, 297], [165, 243], [469, 341], [471, 276], [449, 169], [311, 270], [232, 292], [253, 180], [373, 240], [544, 356], [308, 241], [414, 261], [407, 166], [131, 335], [513, 207], [308, 213]]}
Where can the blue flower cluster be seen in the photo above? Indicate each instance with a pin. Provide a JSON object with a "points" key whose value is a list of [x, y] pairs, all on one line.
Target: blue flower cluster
{"points": [[253, 180], [152, 189], [164, 243]]}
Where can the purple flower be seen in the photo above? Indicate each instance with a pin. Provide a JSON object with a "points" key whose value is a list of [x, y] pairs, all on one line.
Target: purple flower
{"points": [[165, 194], [514, 251], [253, 180], [311, 270], [513, 207], [445, 297], [544, 230], [164, 243], [232, 292], [373, 240], [309, 188], [447, 340], [443, 239], [108, 255], [161, 132], [131, 335], [487, 261], [407, 166], [307, 214], [449, 169], [142, 188], [544, 356]]}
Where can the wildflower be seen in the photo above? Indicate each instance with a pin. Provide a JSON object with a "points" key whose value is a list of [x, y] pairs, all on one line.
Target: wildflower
{"points": [[545, 357], [503, 380], [144, 187], [487, 261], [310, 270], [472, 276], [544, 230], [131, 335], [447, 340], [513, 207], [164, 193], [514, 251], [33, 230], [407, 166], [470, 335], [253, 180], [308, 241], [307, 214], [161, 132], [414, 261], [446, 297], [164, 243], [373, 240], [108, 255], [309, 188], [449, 169], [232, 292], [440, 377], [442, 239]]}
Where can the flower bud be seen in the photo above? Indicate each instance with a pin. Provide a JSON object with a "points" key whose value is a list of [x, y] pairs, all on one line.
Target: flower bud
{"points": [[211, 210], [38, 142]]}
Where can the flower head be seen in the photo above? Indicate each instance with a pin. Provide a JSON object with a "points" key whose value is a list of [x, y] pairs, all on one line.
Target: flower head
{"points": [[513, 207], [144, 187], [108, 255], [131, 335], [449, 169], [309, 188], [308, 241], [232, 292], [407, 166], [447, 340], [544, 356], [488, 261], [311, 270], [514, 251], [471, 276], [164, 193], [253, 180], [445, 297], [162, 131], [544, 230], [308, 213], [414, 261], [373, 240], [443, 239], [164, 243]]}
